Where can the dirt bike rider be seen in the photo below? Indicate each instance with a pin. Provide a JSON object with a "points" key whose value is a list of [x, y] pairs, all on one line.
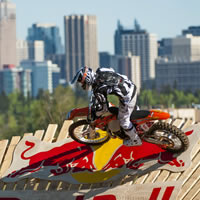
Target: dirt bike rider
{"points": [[106, 81]]}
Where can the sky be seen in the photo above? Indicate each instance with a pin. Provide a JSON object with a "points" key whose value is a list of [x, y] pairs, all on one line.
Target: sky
{"points": [[165, 18]]}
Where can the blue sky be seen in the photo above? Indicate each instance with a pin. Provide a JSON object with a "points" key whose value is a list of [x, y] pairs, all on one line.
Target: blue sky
{"points": [[166, 18]]}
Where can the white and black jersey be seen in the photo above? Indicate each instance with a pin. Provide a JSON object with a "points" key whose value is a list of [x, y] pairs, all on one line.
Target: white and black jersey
{"points": [[107, 81]]}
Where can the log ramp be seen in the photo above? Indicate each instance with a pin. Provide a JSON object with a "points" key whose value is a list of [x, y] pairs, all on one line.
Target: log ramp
{"points": [[156, 184]]}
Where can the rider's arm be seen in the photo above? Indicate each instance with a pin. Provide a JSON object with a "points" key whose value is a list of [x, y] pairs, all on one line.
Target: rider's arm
{"points": [[99, 103]]}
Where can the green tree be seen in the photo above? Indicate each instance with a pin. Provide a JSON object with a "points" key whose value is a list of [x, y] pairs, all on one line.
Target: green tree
{"points": [[4, 102], [146, 99]]}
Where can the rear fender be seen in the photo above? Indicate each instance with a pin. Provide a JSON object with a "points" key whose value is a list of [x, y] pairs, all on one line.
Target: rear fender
{"points": [[77, 112], [153, 115], [159, 115]]}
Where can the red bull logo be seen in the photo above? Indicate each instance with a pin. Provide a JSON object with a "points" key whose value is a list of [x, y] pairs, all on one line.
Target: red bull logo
{"points": [[70, 157], [78, 163], [136, 157]]}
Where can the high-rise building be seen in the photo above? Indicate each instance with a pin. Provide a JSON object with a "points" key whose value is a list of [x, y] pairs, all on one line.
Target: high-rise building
{"points": [[49, 34], [36, 50], [7, 33], [15, 79], [182, 75], [182, 48], [138, 42], [30, 50], [59, 59], [45, 75], [80, 43], [194, 30], [22, 51], [104, 59]]}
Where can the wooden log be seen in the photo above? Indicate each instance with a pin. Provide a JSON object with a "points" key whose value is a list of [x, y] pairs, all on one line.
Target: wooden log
{"points": [[64, 130]]}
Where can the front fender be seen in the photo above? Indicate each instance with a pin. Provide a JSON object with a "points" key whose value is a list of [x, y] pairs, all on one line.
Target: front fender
{"points": [[77, 112]]}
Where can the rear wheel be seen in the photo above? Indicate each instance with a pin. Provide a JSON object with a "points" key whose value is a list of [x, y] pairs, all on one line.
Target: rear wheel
{"points": [[82, 132], [168, 137]]}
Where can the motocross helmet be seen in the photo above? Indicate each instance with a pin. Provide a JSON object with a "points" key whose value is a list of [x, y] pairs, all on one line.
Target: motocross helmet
{"points": [[85, 77]]}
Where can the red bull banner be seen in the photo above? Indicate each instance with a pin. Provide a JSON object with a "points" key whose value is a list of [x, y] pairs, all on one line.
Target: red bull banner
{"points": [[168, 191], [77, 163]]}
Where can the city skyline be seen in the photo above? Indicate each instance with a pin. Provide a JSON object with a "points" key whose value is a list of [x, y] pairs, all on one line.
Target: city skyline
{"points": [[154, 16]]}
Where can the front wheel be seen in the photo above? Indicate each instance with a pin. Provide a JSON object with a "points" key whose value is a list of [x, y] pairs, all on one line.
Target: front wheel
{"points": [[82, 132], [168, 137]]}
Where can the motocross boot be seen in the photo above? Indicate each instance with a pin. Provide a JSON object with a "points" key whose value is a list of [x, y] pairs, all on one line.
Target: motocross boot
{"points": [[134, 138]]}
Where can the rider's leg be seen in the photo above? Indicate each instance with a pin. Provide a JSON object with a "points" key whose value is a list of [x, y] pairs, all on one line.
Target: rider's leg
{"points": [[134, 138], [124, 118]]}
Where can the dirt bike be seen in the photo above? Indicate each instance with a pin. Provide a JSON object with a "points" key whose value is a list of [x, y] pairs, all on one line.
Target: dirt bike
{"points": [[150, 126]]}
